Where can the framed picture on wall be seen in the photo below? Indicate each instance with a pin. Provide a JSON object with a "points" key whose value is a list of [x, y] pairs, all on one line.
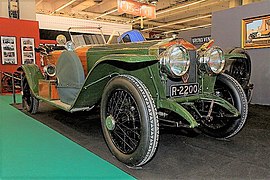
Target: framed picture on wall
{"points": [[28, 51], [256, 32], [8, 49], [13, 9]]}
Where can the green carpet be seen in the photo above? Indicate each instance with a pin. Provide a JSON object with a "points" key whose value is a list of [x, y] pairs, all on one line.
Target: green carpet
{"points": [[31, 150]]}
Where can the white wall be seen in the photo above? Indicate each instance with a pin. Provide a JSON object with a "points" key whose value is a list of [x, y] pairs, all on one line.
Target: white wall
{"points": [[187, 35], [4, 8], [226, 30], [27, 9], [63, 23]]}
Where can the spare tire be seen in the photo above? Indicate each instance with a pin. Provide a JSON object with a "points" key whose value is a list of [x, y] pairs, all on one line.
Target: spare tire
{"points": [[70, 76]]}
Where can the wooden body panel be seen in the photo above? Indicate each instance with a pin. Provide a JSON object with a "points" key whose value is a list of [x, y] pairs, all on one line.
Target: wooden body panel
{"points": [[81, 52], [47, 89], [53, 57]]}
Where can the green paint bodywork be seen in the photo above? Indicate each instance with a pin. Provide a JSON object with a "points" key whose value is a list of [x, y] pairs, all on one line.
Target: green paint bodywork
{"points": [[136, 59], [235, 56], [174, 106], [104, 70], [32, 74], [206, 82]]}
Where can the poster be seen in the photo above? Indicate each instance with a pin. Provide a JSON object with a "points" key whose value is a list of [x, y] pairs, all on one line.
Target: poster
{"points": [[13, 9], [28, 50], [8, 48], [256, 32]]}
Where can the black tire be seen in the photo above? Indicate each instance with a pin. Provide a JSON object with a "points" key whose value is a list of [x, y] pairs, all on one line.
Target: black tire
{"points": [[131, 130], [229, 89], [29, 102]]}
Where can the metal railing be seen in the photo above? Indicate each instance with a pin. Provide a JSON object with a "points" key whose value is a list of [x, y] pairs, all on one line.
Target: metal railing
{"points": [[11, 82]]}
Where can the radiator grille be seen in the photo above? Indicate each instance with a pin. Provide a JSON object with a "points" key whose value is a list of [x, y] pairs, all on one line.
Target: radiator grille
{"points": [[192, 73]]}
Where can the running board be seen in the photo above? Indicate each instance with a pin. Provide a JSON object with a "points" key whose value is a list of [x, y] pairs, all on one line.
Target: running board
{"points": [[81, 109]]}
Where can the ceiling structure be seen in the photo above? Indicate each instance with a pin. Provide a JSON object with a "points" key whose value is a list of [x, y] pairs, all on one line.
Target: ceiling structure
{"points": [[171, 15]]}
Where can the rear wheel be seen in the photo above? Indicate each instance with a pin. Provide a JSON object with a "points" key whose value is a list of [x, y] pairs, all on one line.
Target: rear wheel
{"points": [[30, 102], [222, 125], [241, 71], [241, 67], [129, 120]]}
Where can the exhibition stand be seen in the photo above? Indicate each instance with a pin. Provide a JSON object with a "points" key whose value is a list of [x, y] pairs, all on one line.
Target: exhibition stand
{"points": [[18, 40]]}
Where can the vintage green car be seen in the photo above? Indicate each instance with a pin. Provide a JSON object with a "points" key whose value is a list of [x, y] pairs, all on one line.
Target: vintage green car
{"points": [[140, 87]]}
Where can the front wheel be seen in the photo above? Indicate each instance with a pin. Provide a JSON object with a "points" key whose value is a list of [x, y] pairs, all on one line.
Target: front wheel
{"points": [[129, 120], [29, 101], [223, 125]]}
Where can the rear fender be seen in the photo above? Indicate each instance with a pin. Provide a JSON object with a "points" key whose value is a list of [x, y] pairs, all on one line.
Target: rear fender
{"points": [[32, 74]]}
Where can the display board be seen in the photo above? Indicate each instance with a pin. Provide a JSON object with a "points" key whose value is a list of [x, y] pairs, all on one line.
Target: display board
{"points": [[18, 41], [256, 32], [28, 50], [13, 9], [8, 50]]}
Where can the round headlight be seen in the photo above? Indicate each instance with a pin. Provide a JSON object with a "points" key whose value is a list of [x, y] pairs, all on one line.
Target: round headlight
{"points": [[175, 61], [216, 61], [70, 46], [50, 70]]}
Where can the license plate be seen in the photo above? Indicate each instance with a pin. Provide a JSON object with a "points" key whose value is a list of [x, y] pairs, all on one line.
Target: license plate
{"points": [[184, 90]]}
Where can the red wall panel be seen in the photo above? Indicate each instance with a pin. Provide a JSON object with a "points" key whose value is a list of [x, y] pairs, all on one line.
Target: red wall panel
{"points": [[19, 29]]}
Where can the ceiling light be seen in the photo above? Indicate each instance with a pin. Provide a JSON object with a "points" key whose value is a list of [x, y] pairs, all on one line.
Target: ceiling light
{"points": [[188, 28], [39, 2], [153, 1], [109, 12], [179, 22], [172, 9], [180, 7], [64, 6]]}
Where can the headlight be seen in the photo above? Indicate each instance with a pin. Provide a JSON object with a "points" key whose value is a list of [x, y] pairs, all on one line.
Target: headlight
{"points": [[214, 59], [70, 46], [175, 61], [50, 70]]}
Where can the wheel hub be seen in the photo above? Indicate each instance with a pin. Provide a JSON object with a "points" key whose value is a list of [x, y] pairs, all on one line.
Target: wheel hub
{"points": [[110, 123]]}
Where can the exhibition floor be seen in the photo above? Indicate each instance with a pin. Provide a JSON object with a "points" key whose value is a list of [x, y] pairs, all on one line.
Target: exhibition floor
{"points": [[179, 156], [31, 150]]}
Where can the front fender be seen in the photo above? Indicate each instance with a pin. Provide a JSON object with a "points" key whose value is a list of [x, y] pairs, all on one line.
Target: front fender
{"points": [[175, 106], [143, 67], [128, 58], [180, 110], [32, 74]]}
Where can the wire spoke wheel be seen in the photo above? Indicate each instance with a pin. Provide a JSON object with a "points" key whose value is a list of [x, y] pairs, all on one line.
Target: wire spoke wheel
{"points": [[222, 123], [240, 71], [129, 120], [220, 115], [124, 111]]}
